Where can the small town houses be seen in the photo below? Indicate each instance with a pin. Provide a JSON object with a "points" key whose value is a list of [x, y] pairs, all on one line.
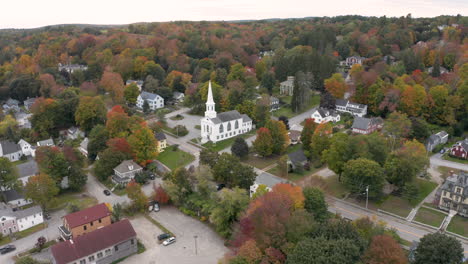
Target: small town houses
{"points": [[365, 126], [12, 221], [154, 101], [434, 140], [125, 172], [346, 106], [460, 149], [322, 115], [453, 194], [85, 221]]}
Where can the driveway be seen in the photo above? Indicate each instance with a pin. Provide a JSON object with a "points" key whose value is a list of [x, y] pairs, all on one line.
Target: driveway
{"points": [[436, 160], [50, 233], [209, 246]]}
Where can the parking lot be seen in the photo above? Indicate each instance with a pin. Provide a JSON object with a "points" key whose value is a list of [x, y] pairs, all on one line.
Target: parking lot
{"points": [[210, 247]]}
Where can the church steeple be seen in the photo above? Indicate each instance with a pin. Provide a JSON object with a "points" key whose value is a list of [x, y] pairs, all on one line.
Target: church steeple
{"points": [[210, 104]]}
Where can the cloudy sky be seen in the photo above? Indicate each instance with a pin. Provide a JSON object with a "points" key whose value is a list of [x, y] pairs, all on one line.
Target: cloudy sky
{"points": [[37, 13]]}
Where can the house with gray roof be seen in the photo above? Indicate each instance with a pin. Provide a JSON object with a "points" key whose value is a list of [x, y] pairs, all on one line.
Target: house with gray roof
{"points": [[46, 143], [154, 101], [125, 172], [74, 133], [11, 105], [10, 150], [436, 139], [266, 179], [70, 68], [12, 221], [139, 83], [26, 170], [28, 103], [15, 198], [84, 147], [178, 97], [274, 103], [322, 115], [365, 126], [346, 106], [297, 158], [23, 119], [454, 193]]}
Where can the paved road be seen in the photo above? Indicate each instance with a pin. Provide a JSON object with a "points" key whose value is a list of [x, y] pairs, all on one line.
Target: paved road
{"points": [[437, 160], [406, 230], [50, 233]]}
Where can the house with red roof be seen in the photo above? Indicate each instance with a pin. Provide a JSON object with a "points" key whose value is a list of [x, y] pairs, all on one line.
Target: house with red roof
{"points": [[104, 245], [85, 221]]}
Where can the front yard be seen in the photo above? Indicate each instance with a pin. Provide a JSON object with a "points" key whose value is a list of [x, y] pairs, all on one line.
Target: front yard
{"points": [[285, 110], [459, 225], [220, 145], [175, 158], [82, 201], [429, 217]]}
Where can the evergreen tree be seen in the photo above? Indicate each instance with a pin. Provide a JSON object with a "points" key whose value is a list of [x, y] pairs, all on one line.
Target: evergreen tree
{"points": [[240, 148], [436, 67]]}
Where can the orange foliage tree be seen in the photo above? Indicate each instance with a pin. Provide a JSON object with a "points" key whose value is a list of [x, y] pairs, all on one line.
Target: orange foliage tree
{"points": [[336, 85], [384, 250]]}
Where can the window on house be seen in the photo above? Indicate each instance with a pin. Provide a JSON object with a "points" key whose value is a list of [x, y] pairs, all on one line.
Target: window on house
{"points": [[100, 221], [116, 248], [84, 227], [236, 125], [221, 128], [229, 127], [132, 242], [99, 255], [91, 258], [92, 223], [83, 261], [108, 251]]}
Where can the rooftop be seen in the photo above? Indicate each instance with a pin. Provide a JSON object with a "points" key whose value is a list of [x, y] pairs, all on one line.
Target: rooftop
{"points": [[297, 156], [148, 96], [8, 147], [226, 116], [127, 166], [87, 244], [87, 215], [269, 180], [27, 169], [160, 136]]}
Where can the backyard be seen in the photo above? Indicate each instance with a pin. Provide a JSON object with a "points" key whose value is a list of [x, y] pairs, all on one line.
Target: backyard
{"points": [[430, 217], [175, 158]]}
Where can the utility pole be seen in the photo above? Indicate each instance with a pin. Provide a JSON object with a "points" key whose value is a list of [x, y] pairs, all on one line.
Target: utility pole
{"points": [[367, 195], [196, 250]]}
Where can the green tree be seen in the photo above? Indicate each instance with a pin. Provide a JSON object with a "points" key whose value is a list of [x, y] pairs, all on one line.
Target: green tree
{"points": [[262, 112], [91, 111], [320, 141], [108, 160], [131, 93], [301, 92], [240, 148], [41, 189], [143, 144], [230, 171], [436, 67], [261, 190], [76, 178], [338, 153], [268, 81], [136, 195], [438, 248], [97, 141], [397, 126], [117, 211], [315, 203], [307, 133], [229, 206], [279, 135], [263, 143], [236, 72], [360, 173], [27, 260], [146, 107], [8, 175], [208, 157]]}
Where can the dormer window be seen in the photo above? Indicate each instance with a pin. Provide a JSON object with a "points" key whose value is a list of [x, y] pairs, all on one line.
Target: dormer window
{"points": [[130, 167]]}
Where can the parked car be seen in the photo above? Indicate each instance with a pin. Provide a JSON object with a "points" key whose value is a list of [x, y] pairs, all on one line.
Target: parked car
{"points": [[152, 176], [47, 216], [163, 236], [442, 151], [156, 207], [107, 192], [220, 186], [169, 241], [10, 248]]}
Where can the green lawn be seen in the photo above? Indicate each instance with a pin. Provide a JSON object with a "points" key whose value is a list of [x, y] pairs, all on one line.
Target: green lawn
{"points": [[5, 240], [30, 231], [396, 205], [449, 158], [425, 188], [459, 225], [220, 145], [81, 200], [329, 185], [261, 162], [286, 110], [429, 217], [175, 158]]}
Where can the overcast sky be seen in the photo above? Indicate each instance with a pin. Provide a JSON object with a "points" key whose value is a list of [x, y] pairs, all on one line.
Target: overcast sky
{"points": [[37, 13]]}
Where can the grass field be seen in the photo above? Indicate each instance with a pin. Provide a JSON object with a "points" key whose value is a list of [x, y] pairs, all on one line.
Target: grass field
{"points": [[261, 162], [29, 231], [329, 185], [429, 217], [286, 110], [447, 157], [220, 145], [396, 205], [81, 200], [175, 158], [425, 188], [459, 225]]}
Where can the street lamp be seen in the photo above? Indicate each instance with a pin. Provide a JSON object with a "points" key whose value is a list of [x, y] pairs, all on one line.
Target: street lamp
{"points": [[196, 250], [367, 195]]}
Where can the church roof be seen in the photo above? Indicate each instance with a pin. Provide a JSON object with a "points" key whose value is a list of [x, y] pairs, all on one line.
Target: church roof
{"points": [[226, 117]]}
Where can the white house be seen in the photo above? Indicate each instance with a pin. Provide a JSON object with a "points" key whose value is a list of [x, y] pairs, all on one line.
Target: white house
{"points": [[10, 150], [178, 97], [154, 101], [23, 119], [322, 115], [84, 147], [347, 106], [29, 217], [216, 127], [11, 105], [287, 86], [15, 198], [350, 61], [265, 179], [125, 172], [46, 143], [26, 148], [70, 68], [74, 133]]}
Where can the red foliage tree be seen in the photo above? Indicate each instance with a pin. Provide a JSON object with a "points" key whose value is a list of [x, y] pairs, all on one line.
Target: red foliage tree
{"points": [[384, 250], [120, 145], [160, 195]]}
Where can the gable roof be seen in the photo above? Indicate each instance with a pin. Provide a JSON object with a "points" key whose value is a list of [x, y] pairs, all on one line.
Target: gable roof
{"points": [[87, 215], [87, 244], [123, 166], [27, 169], [8, 147], [11, 195], [148, 96], [84, 143], [294, 134], [325, 112], [28, 212], [364, 123], [160, 136], [268, 180], [46, 142], [297, 156], [226, 117], [246, 118]]}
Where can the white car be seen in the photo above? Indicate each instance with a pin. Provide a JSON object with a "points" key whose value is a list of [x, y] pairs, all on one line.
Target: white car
{"points": [[169, 241]]}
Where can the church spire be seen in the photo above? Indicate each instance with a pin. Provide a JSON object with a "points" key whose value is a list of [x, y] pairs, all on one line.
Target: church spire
{"points": [[210, 104]]}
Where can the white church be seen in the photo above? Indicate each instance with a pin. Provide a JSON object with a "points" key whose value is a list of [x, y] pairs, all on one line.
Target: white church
{"points": [[216, 127]]}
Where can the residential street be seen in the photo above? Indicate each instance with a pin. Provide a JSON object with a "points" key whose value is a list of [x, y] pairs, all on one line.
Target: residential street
{"points": [[437, 160]]}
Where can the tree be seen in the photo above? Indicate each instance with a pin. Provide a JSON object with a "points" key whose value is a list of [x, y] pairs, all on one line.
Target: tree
{"points": [[240, 148], [262, 112], [384, 250], [117, 211], [112, 82], [97, 141], [8, 122], [41, 189], [76, 178], [51, 161], [336, 85], [229, 206], [438, 248], [143, 144], [208, 157], [436, 67], [230, 171], [397, 126], [279, 136], [250, 252], [293, 192], [8, 174], [268, 81], [236, 72], [263, 143], [322, 251], [131, 93], [27, 260], [307, 133], [360, 173], [301, 91], [338, 153], [91, 112], [178, 186], [160, 195], [327, 101], [108, 160], [315, 203], [40, 243], [285, 121], [139, 199], [118, 122], [261, 190], [320, 140]]}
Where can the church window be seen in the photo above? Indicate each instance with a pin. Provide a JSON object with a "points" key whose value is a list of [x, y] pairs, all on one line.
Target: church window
{"points": [[236, 125], [229, 127], [221, 128]]}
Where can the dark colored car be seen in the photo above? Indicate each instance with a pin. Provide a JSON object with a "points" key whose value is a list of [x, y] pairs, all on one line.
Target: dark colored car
{"points": [[47, 216], [220, 186], [7, 249], [107, 192], [152, 176], [163, 236]]}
